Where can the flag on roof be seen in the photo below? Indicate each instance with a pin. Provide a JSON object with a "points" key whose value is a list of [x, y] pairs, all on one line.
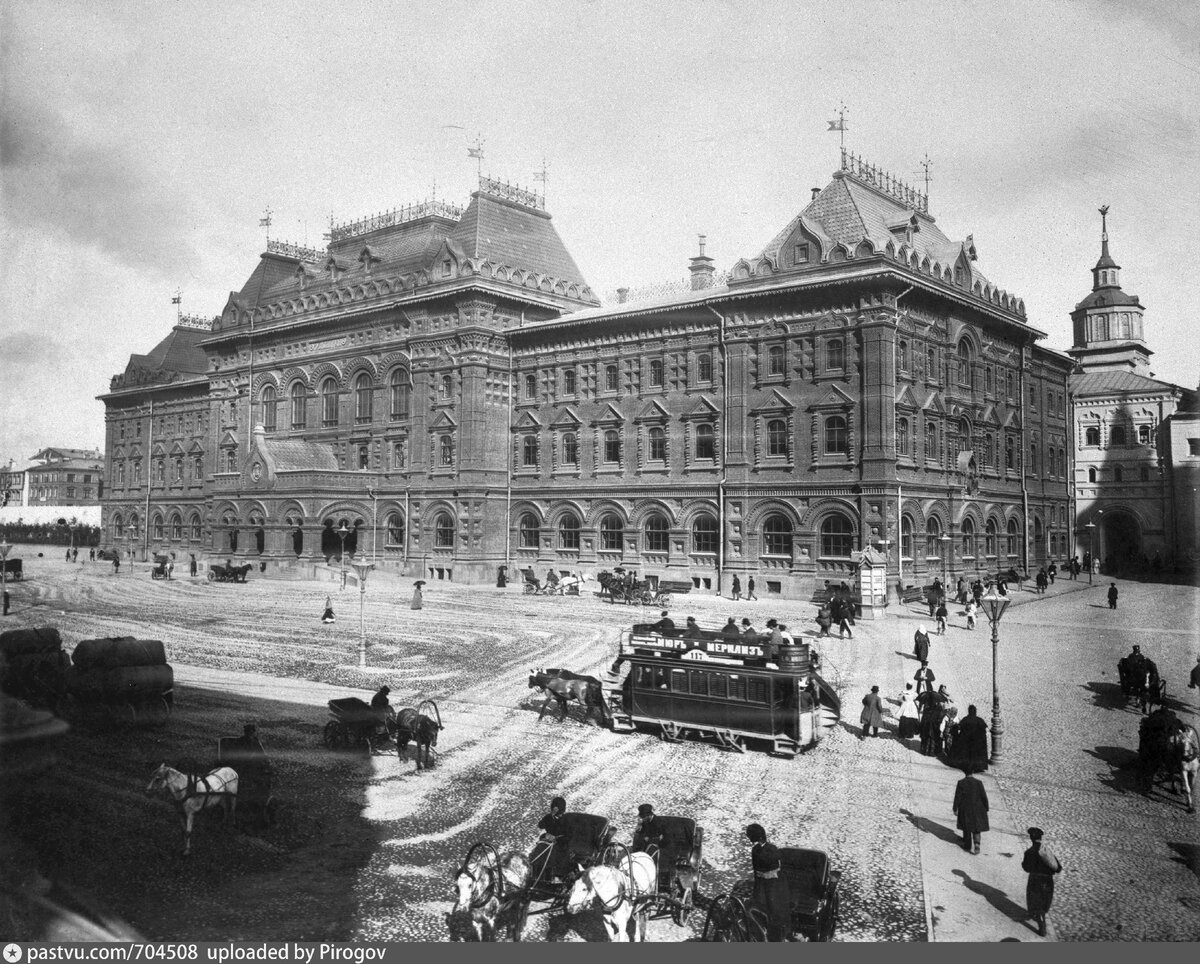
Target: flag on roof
{"points": [[838, 125], [474, 152], [176, 300]]}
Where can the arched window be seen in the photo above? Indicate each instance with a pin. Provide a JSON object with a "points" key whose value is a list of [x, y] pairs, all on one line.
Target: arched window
{"points": [[658, 445], [529, 531], [704, 534], [706, 447], [446, 447], [610, 533], [400, 393], [1118, 474], [1033, 454], [1009, 453], [835, 354], [446, 387], [121, 473], [902, 436], [270, 405], [989, 450], [568, 532], [836, 440], [395, 529], [931, 368], [931, 440], [231, 460], [529, 450], [363, 398], [1091, 435], [178, 470], [158, 527], [933, 538], [610, 378], [964, 364], [1091, 475], [132, 527], [837, 537], [530, 386], [775, 360], [329, 402], [906, 538], [364, 457], [705, 365], [570, 449], [443, 531], [198, 467], [656, 373], [195, 527], [991, 531], [902, 356], [657, 534], [1117, 435], [612, 446], [968, 539], [160, 471], [777, 536], [1013, 537], [569, 381], [176, 527], [777, 437], [1144, 434]]}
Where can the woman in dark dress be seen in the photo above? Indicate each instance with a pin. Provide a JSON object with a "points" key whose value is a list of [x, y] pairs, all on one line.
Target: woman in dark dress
{"points": [[327, 616], [921, 644], [770, 886]]}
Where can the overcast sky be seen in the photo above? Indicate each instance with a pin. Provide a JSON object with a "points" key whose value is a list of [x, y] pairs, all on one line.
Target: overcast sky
{"points": [[141, 143]]}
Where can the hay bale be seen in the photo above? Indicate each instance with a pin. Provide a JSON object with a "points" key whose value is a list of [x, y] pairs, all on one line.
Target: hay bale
{"points": [[119, 651], [22, 642]]}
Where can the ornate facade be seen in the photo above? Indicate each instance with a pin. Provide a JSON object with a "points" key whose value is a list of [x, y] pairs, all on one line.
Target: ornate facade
{"points": [[445, 383]]}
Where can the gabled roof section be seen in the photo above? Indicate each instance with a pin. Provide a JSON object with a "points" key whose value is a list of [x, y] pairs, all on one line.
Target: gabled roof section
{"points": [[609, 415], [702, 408], [836, 397], [934, 404], [907, 398], [566, 418], [776, 401], [653, 412], [506, 232], [295, 455], [526, 421], [442, 420]]}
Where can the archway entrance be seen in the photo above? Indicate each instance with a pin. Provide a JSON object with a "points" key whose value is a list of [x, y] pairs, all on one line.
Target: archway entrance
{"points": [[1120, 542], [332, 542]]}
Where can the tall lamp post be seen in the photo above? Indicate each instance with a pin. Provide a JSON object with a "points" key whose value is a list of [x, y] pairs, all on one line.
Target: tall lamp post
{"points": [[5, 549], [132, 533], [1091, 528], [343, 531], [361, 569], [994, 605], [945, 541]]}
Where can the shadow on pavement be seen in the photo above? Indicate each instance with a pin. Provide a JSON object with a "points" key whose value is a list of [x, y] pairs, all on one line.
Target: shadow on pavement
{"points": [[996, 897], [1122, 763], [1189, 855], [925, 825], [1107, 696]]}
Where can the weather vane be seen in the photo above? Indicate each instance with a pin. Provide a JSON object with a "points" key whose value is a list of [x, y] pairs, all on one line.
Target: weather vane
{"points": [[477, 153], [839, 125], [265, 222], [543, 175]]}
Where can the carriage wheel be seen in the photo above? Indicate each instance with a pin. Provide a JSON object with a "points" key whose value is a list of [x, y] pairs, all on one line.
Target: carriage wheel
{"points": [[683, 910], [828, 918], [725, 921], [212, 576], [332, 735]]}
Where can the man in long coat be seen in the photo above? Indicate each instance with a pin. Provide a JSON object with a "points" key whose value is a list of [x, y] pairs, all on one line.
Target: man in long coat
{"points": [[871, 717], [1041, 865], [924, 679], [972, 746], [921, 644], [971, 806], [770, 886], [931, 722]]}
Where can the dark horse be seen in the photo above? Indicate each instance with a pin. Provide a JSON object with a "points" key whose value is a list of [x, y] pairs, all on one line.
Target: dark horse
{"points": [[420, 726], [563, 685]]}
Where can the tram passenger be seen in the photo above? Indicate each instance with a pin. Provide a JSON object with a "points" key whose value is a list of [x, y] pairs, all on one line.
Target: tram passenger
{"points": [[691, 630], [730, 630], [770, 886], [748, 631], [665, 626]]}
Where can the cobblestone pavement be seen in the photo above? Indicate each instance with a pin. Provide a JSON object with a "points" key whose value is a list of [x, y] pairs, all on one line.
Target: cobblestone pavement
{"points": [[1131, 861]]}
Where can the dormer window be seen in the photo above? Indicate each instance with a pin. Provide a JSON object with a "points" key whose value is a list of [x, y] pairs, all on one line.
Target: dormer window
{"points": [[446, 268], [801, 254]]}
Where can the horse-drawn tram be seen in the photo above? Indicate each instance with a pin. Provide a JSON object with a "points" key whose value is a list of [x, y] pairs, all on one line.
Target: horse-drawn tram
{"points": [[732, 690]]}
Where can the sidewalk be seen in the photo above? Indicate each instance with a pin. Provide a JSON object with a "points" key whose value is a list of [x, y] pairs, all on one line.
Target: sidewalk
{"points": [[967, 897], [1017, 597]]}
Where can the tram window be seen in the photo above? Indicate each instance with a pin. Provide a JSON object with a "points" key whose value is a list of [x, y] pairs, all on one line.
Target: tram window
{"points": [[737, 688], [645, 676], [758, 691], [698, 683], [718, 686], [660, 679], [785, 693], [679, 681]]}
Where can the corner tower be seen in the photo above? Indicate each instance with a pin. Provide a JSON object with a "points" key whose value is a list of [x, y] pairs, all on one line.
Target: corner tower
{"points": [[1108, 324]]}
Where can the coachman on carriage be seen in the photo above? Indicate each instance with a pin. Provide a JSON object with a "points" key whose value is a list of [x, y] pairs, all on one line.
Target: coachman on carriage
{"points": [[1168, 750], [1140, 680]]}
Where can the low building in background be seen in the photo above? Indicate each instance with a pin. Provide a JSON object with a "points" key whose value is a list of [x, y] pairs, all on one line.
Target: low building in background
{"points": [[65, 477]]}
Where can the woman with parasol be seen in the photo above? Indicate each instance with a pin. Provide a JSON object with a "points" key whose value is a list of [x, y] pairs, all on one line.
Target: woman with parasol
{"points": [[417, 600]]}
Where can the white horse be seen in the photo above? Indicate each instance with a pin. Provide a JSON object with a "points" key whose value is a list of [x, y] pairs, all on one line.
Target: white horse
{"points": [[621, 890], [191, 794], [486, 896], [1183, 757]]}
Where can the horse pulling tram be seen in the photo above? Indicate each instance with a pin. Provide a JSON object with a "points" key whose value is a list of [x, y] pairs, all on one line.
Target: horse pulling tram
{"points": [[730, 690]]}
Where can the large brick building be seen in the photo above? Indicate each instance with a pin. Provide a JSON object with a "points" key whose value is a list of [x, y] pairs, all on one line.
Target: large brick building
{"points": [[445, 383]]}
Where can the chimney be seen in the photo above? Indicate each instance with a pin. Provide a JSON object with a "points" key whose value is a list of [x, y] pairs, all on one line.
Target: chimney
{"points": [[701, 269], [622, 295], [815, 192]]}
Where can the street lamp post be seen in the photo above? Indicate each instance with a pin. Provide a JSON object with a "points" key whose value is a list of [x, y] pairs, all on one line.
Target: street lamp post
{"points": [[994, 605], [945, 541], [1091, 528], [343, 531], [5, 549], [361, 569]]}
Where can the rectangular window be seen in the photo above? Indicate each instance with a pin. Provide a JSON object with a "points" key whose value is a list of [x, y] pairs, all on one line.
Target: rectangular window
{"points": [[801, 254]]}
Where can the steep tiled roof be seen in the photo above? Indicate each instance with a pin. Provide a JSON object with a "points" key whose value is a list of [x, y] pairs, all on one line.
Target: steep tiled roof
{"points": [[291, 455], [1106, 297], [509, 233], [1103, 383], [180, 352]]}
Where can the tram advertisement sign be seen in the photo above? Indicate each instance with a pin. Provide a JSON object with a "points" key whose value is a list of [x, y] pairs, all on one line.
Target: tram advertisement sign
{"points": [[717, 647]]}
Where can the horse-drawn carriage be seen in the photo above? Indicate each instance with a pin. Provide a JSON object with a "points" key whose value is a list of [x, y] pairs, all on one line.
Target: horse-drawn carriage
{"points": [[162, 567], [677, 856], [255, 777], [354, 722], [813, 897], [228, 572], [14, 569], [1168, 752], [624, 586], [562, 583]]}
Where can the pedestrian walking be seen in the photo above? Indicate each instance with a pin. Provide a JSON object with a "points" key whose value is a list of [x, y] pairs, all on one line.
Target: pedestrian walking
{"points": [[327, 615], [1192, 685], [921, 644], [924, 679], [116, 563], [68, 555], [417, 599], [750, 590], [971, 806], [1043, 580], [931, 722], [942, 614], [871, 717], [1041, 865], [910, 716], [736, 589], [1112, 595], [824, 620], [770, 886], [971, 746], [5, 602], [1052, 572], [75, 554], [971, 614], [92, 554], [191, 564], [845, 619]]}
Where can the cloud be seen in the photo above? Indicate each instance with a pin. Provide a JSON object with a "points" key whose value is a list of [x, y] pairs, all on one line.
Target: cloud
{"points": [[59, 179]]}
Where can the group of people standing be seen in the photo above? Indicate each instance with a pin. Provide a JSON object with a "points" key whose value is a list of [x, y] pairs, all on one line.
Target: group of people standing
{"points": [[418, 601]]}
